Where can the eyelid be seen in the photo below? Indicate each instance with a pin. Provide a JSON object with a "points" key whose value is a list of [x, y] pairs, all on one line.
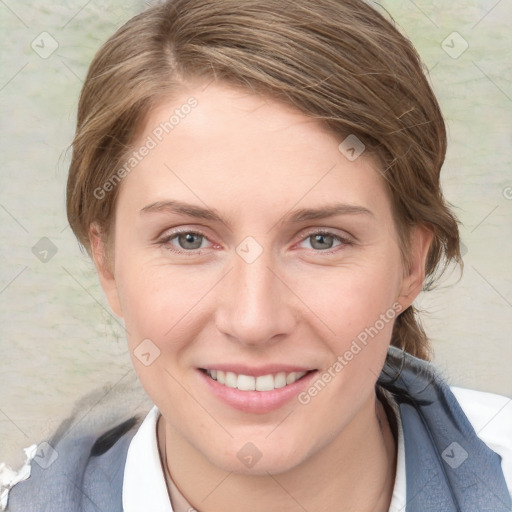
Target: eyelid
{"points": [[173, 231], [344, 237], [169, 234]]}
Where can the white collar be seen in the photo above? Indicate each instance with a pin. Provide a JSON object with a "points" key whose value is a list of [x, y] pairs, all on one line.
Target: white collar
{"points": [[398, 499], [144, 486]]}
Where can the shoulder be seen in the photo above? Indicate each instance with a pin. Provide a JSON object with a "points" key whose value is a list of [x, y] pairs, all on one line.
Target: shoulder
{"points": [[490, 414], [76, 472], [491, 417], [457, 442], [82, 463]]}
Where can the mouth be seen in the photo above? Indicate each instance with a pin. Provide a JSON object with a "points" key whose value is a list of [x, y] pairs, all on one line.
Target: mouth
{"points": [[242, 382], [265, 391]]}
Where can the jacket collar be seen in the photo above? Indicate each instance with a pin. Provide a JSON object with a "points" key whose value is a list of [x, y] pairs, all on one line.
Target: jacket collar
{"points": [[448, 467]]}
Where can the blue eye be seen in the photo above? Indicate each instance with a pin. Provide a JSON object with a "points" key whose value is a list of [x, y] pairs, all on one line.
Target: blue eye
{"points": [[190, 240], [186, 241], [321, 241], [324, 241]]}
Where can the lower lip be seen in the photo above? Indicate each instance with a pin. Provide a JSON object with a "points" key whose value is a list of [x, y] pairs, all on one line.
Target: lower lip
{"points": [[257, 402]]}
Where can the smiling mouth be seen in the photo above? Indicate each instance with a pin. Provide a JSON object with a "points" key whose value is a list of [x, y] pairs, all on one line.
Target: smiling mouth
{"points": [[242, 382]]}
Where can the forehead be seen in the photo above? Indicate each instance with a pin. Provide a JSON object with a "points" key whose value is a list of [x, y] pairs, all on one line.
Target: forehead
{"points": [[233, 148]]}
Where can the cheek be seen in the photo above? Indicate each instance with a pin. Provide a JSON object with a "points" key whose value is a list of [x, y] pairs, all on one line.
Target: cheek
{"points": [[352, 297], [161, 308], [358, 302], [157, 299], [363, 329]]}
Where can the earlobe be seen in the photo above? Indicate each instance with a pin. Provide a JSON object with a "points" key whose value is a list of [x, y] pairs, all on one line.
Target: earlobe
{"points": [[104, 268], [414, 277]]}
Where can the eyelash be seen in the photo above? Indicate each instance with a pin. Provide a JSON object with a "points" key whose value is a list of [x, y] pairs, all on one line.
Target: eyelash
{"points": [[344, 241], [165, 242]]}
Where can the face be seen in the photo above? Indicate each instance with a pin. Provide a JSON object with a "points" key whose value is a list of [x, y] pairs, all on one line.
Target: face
{"points": [[249, 249]]}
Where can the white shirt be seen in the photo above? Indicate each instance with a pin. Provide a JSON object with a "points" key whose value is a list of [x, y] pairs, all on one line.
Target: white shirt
{"points": [[144, 485]]}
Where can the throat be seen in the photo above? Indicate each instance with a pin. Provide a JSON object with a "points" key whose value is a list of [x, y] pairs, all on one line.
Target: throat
{"points": [[177, 501]]}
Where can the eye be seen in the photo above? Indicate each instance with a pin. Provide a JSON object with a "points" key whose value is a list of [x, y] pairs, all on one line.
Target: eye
{"points": [[324, 240], [185, 241], [190, 240]]}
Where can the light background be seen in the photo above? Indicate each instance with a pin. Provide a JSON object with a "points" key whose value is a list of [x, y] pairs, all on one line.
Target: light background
{"points": [[58, 339]]}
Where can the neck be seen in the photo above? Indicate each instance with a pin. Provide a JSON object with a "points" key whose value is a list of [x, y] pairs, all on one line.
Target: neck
{"points": [[355, 472]]}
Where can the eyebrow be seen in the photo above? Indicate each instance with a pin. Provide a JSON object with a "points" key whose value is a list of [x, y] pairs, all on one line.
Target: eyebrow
{"points": [[296, 216], [326, 211], [183, 209]]}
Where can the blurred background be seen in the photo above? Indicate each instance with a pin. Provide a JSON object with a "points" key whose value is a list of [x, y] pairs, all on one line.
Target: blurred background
{"points": [[58, 338]]}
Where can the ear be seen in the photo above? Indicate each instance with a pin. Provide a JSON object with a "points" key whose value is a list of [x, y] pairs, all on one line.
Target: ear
{"points": [[414, 275], [105, 268]]}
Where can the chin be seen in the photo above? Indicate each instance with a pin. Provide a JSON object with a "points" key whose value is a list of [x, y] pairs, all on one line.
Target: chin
{"points": [[259, 458]]}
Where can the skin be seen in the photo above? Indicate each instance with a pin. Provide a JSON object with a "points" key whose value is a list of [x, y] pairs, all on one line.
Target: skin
{"points": [[255, 162]]}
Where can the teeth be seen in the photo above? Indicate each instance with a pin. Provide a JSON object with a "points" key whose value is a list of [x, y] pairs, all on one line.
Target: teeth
{"points": [[291, 378], [231, 380], [246, 383], [280, 380], [265, 383], [249, 383]]}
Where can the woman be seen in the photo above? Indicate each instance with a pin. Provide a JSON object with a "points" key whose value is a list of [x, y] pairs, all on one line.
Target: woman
{"points": [[258, 186]]}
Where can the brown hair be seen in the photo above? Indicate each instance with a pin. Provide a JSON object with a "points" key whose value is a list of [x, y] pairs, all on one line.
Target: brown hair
{"points": [[338, 61]]}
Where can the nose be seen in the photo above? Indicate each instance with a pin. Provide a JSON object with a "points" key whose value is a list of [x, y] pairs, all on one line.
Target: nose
{"points": [[255, 307]]}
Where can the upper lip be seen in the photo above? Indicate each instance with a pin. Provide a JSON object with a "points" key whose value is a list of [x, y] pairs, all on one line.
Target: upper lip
{"points": [[253, 371]]}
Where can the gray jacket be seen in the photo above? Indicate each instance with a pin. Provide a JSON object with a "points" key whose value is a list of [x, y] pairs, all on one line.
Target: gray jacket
{"points": [[88, 474]]}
